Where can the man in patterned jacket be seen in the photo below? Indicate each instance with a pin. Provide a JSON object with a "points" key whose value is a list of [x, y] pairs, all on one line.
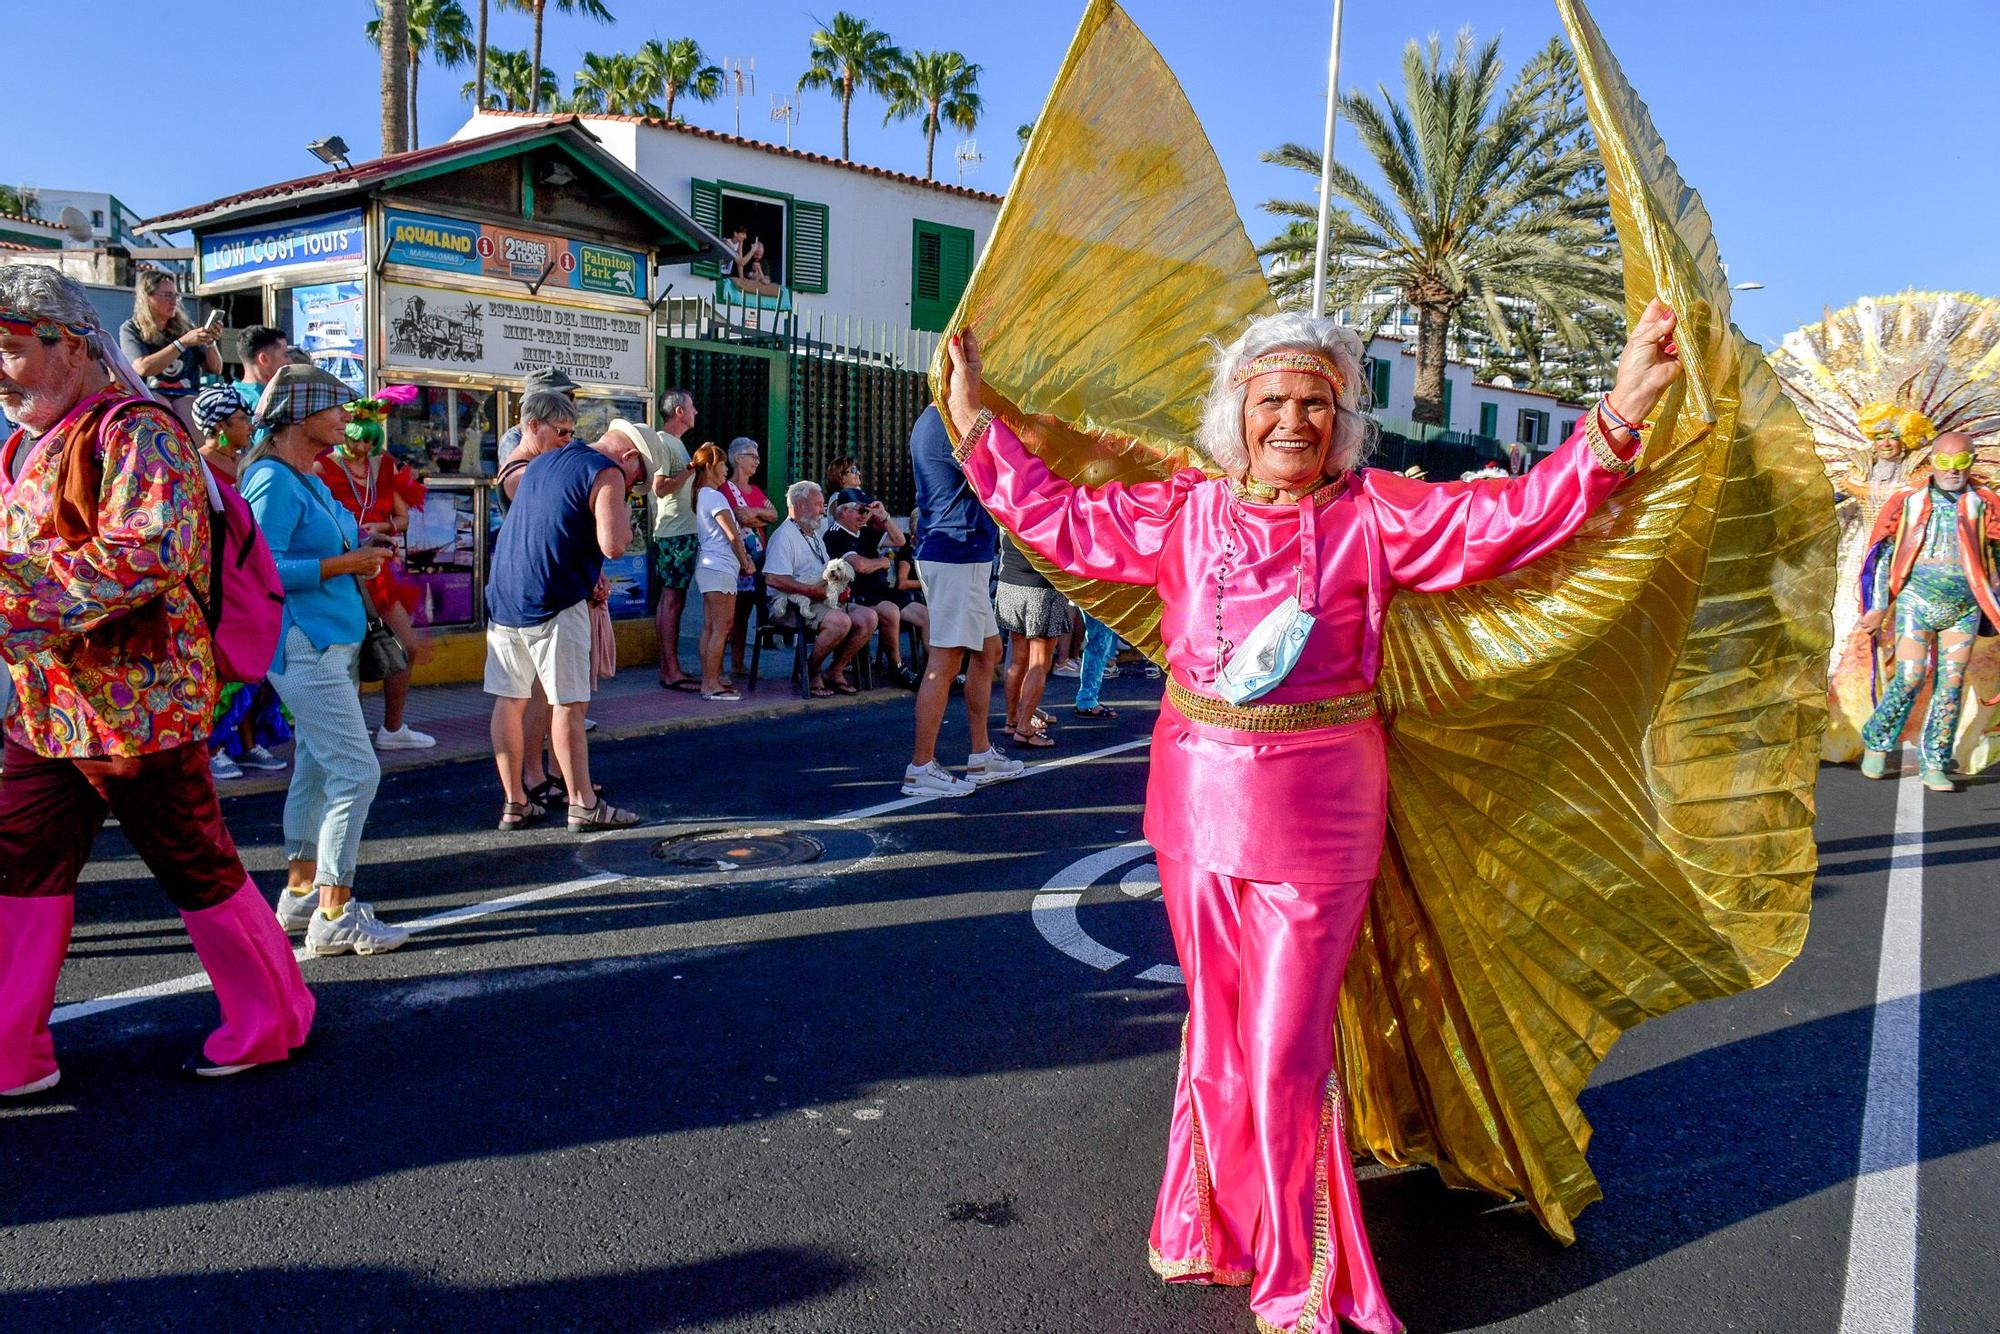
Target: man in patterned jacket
{"points": [[104, 543]]}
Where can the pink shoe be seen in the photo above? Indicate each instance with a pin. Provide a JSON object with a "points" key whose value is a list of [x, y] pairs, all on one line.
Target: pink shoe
{"points": [[266, 1009], [34, 938]]}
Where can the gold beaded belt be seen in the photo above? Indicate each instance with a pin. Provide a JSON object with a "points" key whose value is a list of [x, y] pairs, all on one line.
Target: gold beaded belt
{"points": [[1305, 716]]}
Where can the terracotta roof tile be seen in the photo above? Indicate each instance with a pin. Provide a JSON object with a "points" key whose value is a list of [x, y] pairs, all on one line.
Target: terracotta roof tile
{"points": [[31, 222], [776, 150]]}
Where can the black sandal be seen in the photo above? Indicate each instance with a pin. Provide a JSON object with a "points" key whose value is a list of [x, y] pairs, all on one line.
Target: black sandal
{"points": [[1096, 711], [518, 815]]}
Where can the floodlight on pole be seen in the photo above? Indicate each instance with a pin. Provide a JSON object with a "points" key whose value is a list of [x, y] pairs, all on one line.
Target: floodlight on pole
{"points": [[331, 150], [1748, 287], [1326, 168]]}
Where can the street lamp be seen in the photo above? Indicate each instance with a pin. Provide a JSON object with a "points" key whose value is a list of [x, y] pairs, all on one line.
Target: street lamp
{"points": [[1748, 287], [331, 150]]}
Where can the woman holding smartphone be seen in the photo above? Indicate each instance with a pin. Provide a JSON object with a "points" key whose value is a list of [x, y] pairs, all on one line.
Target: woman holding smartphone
{"points": [[162, 346]]}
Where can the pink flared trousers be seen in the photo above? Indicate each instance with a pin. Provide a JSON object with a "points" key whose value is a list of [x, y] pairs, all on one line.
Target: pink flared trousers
{"points": [[1259, 1188]]}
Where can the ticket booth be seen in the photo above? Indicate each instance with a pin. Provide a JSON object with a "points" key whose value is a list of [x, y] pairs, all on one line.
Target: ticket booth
{"points": [[442, 278]]}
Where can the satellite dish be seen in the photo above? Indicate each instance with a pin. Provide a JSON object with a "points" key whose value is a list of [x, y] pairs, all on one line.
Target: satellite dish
{"points": [[73, 222]]}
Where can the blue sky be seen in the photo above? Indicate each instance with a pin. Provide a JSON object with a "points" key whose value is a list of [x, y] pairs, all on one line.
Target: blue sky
{"points": [[1836, 155]]}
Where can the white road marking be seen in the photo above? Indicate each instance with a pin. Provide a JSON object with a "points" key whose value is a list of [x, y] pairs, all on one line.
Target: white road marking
{"points": [[1054, 909], [179, 986], [1881, 1290]]}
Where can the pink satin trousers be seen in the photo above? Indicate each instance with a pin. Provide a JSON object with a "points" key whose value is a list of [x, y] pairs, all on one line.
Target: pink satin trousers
{"points": [[1259, 1188]]}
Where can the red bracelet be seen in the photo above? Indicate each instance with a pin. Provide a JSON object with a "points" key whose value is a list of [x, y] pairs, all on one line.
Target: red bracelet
{"points": [[1604, 406]]}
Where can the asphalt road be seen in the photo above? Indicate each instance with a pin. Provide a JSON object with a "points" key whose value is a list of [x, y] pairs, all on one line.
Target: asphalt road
{"points": [[869, 1093]]}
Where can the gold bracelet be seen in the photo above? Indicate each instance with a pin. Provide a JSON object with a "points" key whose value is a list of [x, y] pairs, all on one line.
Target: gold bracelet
{"points": [[963, 448], [1600, 447]]}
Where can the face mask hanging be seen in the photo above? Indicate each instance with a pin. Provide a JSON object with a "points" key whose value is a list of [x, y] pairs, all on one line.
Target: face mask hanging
{"points": [[1267, 655]]}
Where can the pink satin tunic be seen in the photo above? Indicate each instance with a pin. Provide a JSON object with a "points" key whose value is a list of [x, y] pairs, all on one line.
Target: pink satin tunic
{"points": [[1301, 805]]}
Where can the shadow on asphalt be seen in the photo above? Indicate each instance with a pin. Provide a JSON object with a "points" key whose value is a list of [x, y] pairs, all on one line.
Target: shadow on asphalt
{"points": [[364, 1297], [1682, 1152]]}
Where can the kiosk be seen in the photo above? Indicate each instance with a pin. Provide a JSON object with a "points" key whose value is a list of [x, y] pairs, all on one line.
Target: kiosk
{"points": [[441, 279]]}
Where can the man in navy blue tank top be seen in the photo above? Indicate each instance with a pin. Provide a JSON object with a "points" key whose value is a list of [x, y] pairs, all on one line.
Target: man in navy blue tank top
{"points": [[568, 517]]}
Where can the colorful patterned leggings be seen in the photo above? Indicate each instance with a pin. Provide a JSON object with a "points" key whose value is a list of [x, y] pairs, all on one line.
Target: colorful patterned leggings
{"points": [[1935, 610]]}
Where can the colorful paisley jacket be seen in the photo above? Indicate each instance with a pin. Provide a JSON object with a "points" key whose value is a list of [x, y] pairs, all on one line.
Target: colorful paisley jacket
{"points": [[106, 644]]}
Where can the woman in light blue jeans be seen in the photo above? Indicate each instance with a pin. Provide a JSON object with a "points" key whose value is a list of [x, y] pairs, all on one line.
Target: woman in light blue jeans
{"points": [[321, 564]]}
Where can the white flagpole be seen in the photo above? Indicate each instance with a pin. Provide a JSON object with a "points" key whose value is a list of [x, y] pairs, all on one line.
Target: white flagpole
{"points": [[1326, 167]]}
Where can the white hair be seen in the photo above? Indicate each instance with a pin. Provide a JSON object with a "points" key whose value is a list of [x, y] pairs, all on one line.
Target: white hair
{"points": [[39, 290], [798, 492], [1221, 433]]}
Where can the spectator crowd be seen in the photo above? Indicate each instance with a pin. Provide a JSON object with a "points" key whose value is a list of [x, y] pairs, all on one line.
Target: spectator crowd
{"points": [[124, 558]]}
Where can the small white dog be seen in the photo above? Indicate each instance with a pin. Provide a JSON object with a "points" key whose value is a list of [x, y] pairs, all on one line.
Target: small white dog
{"points": [[835, 578]]}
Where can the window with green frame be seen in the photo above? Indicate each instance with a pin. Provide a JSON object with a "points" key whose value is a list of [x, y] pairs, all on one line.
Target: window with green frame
{"points": [[940, 267], [803, 248], [1378, 382], [1489, 420]]}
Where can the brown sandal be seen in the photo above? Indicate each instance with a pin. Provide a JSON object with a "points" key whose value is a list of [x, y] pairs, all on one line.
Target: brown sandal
{"points": [[602, 816], [518, 815]]}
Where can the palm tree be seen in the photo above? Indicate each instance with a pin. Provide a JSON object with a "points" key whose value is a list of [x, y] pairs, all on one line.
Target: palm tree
{"points": [[393, 40], [680, 67], [440, 27], [538, 9], [848, 54], [11, 201], [1490, 204], [1022, 133], [479, 62], [615, 84], [508, 85], [943, 87]]}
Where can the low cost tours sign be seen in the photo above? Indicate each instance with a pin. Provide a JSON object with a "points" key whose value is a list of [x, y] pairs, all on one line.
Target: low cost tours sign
{"points": [[452, 245], [427, 328], [331, 238]]}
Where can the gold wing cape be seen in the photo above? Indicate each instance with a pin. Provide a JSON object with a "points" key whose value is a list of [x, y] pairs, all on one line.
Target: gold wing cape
{"points": [[1602, 767]]}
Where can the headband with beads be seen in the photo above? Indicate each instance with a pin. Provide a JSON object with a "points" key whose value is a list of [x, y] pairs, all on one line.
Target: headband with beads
{"points": [[1308, 363]]}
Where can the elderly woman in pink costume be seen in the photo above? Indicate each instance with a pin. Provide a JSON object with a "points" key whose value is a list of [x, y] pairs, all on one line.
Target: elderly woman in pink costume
{"points": [[1267, 797]]}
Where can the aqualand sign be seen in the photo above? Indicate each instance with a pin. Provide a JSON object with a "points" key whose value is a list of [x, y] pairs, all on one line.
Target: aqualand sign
{"points": [[452, 245]]}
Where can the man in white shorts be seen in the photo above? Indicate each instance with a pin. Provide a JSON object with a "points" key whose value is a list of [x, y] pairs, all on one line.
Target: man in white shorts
{"points": [[569, 515], [956, 542]]}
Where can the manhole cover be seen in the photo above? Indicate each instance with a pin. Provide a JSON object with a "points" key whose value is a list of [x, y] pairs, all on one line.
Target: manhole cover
{"points": [[738, 849]]}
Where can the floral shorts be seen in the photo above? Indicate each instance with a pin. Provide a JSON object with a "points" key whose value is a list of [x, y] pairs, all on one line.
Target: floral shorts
{"points": [[674, 558]]}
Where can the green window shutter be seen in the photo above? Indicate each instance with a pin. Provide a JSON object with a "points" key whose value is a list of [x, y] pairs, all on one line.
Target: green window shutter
{"points": [[1446, 423], [807, 250], [1489, 420], [1378, 382], [705, 207], [940, 268]]}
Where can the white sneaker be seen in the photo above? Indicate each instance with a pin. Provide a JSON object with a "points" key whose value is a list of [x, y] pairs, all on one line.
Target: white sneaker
{"points": [[934, 780], [221, 766], [356, 932], [1069, 667], [258, 758], [405, 737], [295, 910], [991, 766]]}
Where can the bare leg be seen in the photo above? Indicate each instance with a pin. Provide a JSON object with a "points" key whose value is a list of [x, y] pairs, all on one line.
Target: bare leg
{"points": [[861, 626], [507, 732], [667, 618], [932, 697], [534, 736], [833, 631], [572, 751], [889, 620], [1041, 656], [396, 690], [979, 692], [918, 617], [718, 613], [1017, 667], [739, 633]]}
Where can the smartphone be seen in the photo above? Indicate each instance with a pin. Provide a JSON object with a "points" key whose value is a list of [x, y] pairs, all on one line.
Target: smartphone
{"points": [[215, 319]]}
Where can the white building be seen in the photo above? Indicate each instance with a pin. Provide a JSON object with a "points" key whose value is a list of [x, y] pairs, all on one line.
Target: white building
{"points": [[111, 220], [1497, 411], [842, 238]]}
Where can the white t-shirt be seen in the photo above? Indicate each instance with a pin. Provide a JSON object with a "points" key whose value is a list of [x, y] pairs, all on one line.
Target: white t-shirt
{"points": [[717, 552], [795, 555]]}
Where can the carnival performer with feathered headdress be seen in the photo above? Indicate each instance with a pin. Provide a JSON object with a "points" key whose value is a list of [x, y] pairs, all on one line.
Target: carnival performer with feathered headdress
{"points": [[1452, 783], [1878, 382]]}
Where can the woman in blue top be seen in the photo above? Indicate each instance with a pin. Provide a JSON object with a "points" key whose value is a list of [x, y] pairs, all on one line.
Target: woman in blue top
{"points": [[321, 563]]}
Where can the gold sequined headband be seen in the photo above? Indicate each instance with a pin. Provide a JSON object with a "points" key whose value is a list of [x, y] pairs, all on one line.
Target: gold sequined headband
{"points": [[1307, 363]]}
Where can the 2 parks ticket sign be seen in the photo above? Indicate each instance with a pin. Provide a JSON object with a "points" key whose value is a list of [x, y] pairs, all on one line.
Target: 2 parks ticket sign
{"points": [[476, 333], [451, 245]]}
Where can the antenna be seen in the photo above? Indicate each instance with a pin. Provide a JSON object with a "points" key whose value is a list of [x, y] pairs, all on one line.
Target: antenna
{"points": [[968, 155], [787, 111], [741, 75], [73, 222]]}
